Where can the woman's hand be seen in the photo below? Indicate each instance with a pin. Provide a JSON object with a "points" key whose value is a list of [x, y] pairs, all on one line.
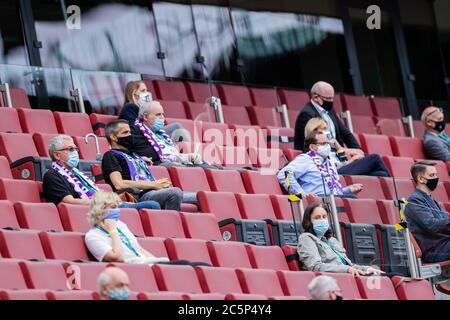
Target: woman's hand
{"points": [[110, 224], [355, 272], [374, 271]]}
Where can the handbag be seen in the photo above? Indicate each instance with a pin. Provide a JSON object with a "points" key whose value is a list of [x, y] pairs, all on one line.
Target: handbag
{"points": [[127, 197]]}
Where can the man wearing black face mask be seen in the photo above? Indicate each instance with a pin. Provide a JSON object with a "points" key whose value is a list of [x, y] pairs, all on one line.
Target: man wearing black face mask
{"points": [[428, 221], [436, 143], [321, 106]]}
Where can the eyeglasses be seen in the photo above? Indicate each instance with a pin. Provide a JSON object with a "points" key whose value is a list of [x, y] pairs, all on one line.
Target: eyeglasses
{"points": [[324, 98], [70, 149], [434, 111]]}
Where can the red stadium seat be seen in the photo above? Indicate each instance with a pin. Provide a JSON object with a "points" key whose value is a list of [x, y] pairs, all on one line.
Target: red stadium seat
{"points": [[265, 97], [234, 95], [229, 254], [154, 245], [206, 296], [201, 226], [377, 144], [280, 138], [200, 92], [376, 288], [440, 194], [209, 152], [442, 170], [293, 115], [189, 179], [19, 98], [364, 124], [255, 206], [288, 298], [23, 295], [407, 147], [419, 129], [176, 278], [21, 245], [415, 290], [261, 182], [19, 190], [295, 100], [372, 187], [392, 127], [363, 211], [8, 217], [236, 115], [403, 188], [132, 219], [291, 154], [161, 296], [357, 105], [141, 277], [74, 217], [162, 223], [282, 208], [88, 273], [222, 204], [225, 181], [265, 117], [267, 158], [5, 171], [64, 246], [159, 172], [386, 107], [14, 279], [174, 109], [200, 112], [9, 120], [171, 90], [45, 275], [399, 167], [237, 296], [15, 146], [73, 124], [234, 156], [295, 283], [42, 141], [267, 257], [38, 216], [99, 122], [87, 151], [348, 285], [188, 249], [37, 120], [151, 88], [388, 211], [73, 295], [260, 282], [218, 280]]}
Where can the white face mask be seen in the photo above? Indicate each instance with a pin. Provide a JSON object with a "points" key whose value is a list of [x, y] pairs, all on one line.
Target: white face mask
{"points": [[144, 97], [324, 151]]}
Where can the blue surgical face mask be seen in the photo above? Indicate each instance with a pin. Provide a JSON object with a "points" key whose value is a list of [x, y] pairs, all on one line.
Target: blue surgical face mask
{"points": [[73, 160], [119, 294], [158, 125], [113, 214], [321, 227]]}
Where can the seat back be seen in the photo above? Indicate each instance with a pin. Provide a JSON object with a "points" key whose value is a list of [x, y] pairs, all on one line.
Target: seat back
{"points": [[171, 90], [38, 216], [73, 124], [15, 146], [37, 120], [9, 120]]}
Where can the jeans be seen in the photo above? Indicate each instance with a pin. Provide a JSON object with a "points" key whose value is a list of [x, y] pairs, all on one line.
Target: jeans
{"points": [[152, 205], [371, 165], [168, 199], [441, 253]]}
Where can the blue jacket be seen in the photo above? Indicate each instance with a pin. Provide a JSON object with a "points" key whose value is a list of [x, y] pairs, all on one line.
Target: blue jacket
{"points": [[129, 112]]}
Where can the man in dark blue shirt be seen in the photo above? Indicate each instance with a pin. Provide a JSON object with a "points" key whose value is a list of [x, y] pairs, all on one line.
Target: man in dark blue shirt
{"points": [[428, 221]]}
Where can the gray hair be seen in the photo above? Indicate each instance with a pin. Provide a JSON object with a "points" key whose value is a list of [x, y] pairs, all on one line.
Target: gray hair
{"points": [[318, 87], [103, 280], [320, 287], [56, 144], [145, 109]]}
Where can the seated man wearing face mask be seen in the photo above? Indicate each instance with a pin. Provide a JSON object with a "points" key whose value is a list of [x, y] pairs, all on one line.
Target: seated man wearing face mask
{"points": [[314, 173], [150, 140], [435, 142], [125, 170]]}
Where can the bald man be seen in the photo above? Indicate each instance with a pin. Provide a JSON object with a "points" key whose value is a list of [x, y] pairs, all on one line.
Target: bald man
{"points": [[435, 142], [113, 284], [321, 105]]}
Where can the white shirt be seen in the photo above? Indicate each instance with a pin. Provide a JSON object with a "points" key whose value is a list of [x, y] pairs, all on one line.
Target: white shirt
{"points": [[325, 116], [99, 244]]}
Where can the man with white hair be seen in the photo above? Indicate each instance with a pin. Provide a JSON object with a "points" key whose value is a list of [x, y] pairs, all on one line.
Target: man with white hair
{"points": [[113, 284], [324, 288], [436, 143]]}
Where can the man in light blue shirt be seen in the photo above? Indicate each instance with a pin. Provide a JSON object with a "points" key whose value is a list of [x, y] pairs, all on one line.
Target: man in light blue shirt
{"points": [[314, 173]]}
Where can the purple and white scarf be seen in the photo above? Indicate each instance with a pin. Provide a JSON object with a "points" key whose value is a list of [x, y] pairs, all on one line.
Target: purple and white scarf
{"points": [[165, 149], [329, 173], [139, 170], [82, 191]]}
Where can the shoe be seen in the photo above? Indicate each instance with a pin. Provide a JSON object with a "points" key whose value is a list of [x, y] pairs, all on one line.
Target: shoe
{"points": [[444, 288]]}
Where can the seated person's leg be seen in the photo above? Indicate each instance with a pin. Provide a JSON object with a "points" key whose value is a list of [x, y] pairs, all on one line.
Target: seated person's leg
{"points": [[149, 204], [190, 197], [441, 254], [170, 164], [376, 166], [168, 199]]}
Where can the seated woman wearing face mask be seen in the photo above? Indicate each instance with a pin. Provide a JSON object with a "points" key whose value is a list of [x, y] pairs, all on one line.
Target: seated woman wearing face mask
{"points": [[110, 240], [319, 251]]}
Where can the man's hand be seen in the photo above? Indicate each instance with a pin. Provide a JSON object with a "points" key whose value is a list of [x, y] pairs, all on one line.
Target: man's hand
{"points": [[374, 271], [195, 158], [110, 224], [352, 152], [355, 272], [148, 160], [355, 157], [161, 184], [356, 188]]}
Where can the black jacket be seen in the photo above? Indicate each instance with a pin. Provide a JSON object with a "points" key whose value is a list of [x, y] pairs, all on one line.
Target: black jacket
{"points": [[343, 135], [129, 112]]}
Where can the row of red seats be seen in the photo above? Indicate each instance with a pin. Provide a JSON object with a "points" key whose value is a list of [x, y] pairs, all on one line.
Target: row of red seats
{"points": [[204, 280]]}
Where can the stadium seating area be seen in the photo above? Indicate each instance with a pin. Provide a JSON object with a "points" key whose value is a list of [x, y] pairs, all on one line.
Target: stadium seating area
{"points": [[41, 245]]}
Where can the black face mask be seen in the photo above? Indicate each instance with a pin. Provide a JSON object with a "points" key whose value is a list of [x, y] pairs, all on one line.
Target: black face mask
{"points": [[439, 126], [327, 105], [126, 142], [432, 183]]}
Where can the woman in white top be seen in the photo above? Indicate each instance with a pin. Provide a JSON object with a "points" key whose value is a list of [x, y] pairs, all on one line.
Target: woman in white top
{"points": [[110, 240]]}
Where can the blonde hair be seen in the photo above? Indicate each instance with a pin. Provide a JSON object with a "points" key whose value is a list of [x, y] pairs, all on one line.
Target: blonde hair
{"points": [[130, 89], [99, 203], [314, 124]]}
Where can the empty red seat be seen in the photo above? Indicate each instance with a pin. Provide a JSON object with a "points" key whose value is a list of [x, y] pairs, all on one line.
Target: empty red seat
{"points": [[391, 127], [234, 156], [171, 90], [280, 138], [87, 151], [440, 194], [234, 95], [99, 122], [162, 223], [376, 288], [201, 226], [386, 107], [45, 275], [229, 254], [249, 136], [42, 142], [225, 181], [74, 217], [154, 245], [8, 217], [176, 278], [218, 280], [294, 99], [217, 133], [442, 170], [238, 296], [73, 295], [12, 277], [64, 246], [21, 245], [73, 124], [357, 105], [19, 190], [15, 146], [295, 283], [399, 167], [37, 120], [9, 120], [419, 128], [265, 97], [415, 290], [265, 117], [188, 249], [377, 144], [222, 204], [141, 277], [291, 154], [271, 257], [132, 219], [261, 182], [209, 152], [151, 88], [260, 282], [189, 179], [19, 98], [205, 296], [255, 206], [407, 147], [364, 124], [267, 158], [201, 92], [200, 112], [236, 115], [174, 109], [372, 187], [5, 171], [38, 216], [83, 276], [389, 213], [23, 295], [162, 296], [363, 211], [282, 207], [347, 284], [402, 188]]}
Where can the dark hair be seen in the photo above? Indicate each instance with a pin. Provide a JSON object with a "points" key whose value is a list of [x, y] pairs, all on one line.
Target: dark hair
{"points": [[311, 138], [420, 167], [307, 224], [113, 128]]}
